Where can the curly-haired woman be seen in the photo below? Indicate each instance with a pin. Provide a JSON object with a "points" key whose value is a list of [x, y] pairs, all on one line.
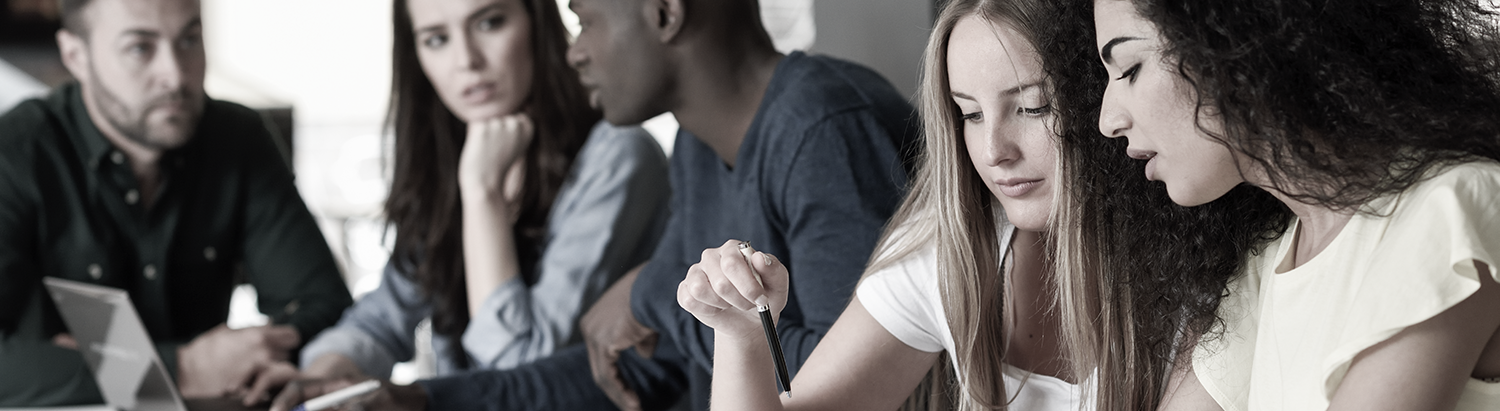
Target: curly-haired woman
{"points": [[1377, 124]]}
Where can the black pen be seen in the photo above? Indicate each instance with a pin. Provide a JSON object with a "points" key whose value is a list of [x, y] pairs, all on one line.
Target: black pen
{"points": [[772, 339]]}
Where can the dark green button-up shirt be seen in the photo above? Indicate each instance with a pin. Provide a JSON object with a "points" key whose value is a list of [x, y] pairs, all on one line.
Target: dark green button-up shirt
{"points": [[70, 207]]}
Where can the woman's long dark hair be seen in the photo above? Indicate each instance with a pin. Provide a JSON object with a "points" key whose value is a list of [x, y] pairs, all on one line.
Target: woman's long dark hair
{"points": [[424, 202], [1344, 100], [1138, 270]]}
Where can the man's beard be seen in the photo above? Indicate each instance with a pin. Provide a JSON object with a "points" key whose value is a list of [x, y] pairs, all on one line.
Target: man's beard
{"points": [[132, 122]]}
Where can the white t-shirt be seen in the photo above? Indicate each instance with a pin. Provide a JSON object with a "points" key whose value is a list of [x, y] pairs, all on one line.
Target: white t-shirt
{"points": [[904, 299], [1290, 337]]}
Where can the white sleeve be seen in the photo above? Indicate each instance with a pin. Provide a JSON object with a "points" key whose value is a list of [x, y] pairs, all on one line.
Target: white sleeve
{"points": [[904, 299]]}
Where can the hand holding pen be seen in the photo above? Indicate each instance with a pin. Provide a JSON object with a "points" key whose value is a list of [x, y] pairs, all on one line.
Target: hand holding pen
{"points": [[726, 291]]}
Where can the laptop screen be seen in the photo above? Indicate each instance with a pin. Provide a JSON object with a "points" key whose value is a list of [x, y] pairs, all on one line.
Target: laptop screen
{"points": [[115, 345]]}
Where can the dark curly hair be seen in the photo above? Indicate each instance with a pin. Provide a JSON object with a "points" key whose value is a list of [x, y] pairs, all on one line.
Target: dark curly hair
{"points": [[1138, 270], [1343, 101]]}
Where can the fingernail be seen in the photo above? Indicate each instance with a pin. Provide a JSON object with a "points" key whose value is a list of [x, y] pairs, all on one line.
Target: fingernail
{"points": [[766, 257]]}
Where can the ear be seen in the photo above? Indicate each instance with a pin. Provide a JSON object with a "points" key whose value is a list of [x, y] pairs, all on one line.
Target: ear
{"points": [[667, 17], [75, 54]]}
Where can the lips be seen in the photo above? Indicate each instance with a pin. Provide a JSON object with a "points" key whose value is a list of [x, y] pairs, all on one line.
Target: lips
{"points": [[1139, 154], [1149, 156], [170, 108], [479, 92], [1017, 187]]}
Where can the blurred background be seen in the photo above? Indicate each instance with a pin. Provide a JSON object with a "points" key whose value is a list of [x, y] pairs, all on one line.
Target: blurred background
{"points": [[320, 70]]}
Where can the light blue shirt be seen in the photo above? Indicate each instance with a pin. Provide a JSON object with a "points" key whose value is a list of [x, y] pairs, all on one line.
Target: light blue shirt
{"points": [[606, 219]]}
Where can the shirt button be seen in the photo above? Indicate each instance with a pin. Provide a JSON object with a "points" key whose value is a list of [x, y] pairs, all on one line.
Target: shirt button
{"points": [[210, 254], [95, 271], [132, 196], [117, 157], [149, 272]]}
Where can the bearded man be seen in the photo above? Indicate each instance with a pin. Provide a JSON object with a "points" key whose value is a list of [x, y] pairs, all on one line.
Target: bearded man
{"points": [[132, 178]]}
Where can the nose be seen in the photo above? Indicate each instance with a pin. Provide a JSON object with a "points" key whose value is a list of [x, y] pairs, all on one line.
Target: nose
{"points": [[1114, 120], [999, 145], [472, 57], [169, 67]]}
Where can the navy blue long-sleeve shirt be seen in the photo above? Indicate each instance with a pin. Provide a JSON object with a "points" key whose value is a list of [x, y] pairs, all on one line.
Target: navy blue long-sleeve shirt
{"points": [[822, 167]]}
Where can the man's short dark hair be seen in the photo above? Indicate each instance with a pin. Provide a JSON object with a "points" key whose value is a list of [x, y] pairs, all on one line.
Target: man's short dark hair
{"points": [[72, 16]]}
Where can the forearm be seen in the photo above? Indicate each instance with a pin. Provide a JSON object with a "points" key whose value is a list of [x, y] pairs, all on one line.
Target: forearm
{"points": [[490, 257], [744, 375]]}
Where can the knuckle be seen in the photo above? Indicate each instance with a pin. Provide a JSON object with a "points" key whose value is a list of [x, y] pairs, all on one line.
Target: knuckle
{"points": [[708, 291], [701, 291], [725, 288]]}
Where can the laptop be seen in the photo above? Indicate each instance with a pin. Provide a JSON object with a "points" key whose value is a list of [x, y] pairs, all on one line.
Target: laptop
{"points": [[114, 343]]}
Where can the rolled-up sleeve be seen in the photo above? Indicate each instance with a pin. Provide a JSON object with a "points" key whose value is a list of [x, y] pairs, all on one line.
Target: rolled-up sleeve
{"points": [[605, 221]]}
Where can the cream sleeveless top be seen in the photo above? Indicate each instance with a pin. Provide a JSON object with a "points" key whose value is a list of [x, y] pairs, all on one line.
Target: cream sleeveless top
{"points": [[1290, 335]]}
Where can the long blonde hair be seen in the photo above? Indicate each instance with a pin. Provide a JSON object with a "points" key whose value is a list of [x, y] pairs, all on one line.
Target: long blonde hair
{"points": [[950, 205]]}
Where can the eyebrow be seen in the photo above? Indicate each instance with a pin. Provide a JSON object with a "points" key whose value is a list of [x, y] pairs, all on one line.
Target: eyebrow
{"points": [[1109, 47], [140, 33], [1018, 89], [196, 23], [467, 19], [1011, 92], [153, 33]]}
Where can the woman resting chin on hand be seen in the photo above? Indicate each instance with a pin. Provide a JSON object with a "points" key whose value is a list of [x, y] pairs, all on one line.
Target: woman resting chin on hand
{"points": [[514, 205]]}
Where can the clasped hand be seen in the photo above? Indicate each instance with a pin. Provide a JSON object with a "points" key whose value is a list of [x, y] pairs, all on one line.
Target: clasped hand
{"points": [[721, 290], [224, 362], [491, 161]]}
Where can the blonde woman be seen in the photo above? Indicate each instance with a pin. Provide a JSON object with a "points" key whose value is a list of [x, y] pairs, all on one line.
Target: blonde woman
{"points": [[963, 268]]}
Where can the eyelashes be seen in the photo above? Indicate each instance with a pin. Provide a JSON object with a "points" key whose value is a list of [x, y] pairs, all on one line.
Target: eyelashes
{"points": [[1036, 111], [1130, 72], [1033, 112]]}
